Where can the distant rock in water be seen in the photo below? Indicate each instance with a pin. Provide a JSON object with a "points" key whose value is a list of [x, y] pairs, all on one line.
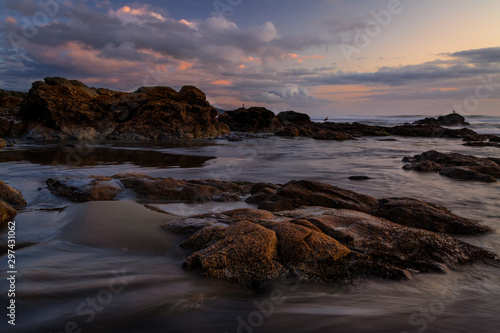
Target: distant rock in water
{"points": [[455, 166], [453, 119], [68, 109], [253, 120], [359, 178]]}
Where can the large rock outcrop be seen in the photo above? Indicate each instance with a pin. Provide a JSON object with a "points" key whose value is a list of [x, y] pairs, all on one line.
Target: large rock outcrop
{"points": [[252, 247], [67, 109], [253, 120], [11, 124], [455, 165]]}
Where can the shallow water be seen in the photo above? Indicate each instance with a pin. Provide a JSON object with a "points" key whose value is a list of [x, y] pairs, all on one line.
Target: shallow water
{"points": [[116, 255]]}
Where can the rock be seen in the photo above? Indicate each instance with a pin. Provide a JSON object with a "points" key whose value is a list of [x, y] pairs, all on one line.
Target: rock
{"points": [[418, 214], [10, 122], [306, 193], [3, 144], [180, 190], [431, 131], [254, 120], [455, 166], [468, 173], [359, 178], [11, 196], [253, 247], [7, 213], [260, 192], [94, 189], [64, 109], [482, 144], [292, 117], [453, 119], [331, 131]]}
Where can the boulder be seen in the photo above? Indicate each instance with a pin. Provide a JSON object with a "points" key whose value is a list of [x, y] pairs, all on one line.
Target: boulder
{"points": [[68, 109], [455, 165], [453, 119], [307, 193], [11, 196], [92, 189], [7, 213], [422, 215], [179, 190], [254, 120], [3, 144], [318, 244], [11, 124]]}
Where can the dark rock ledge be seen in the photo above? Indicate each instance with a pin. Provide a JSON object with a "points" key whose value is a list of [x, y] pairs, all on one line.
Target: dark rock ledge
{"points": [[305, 230], [455, 165]]}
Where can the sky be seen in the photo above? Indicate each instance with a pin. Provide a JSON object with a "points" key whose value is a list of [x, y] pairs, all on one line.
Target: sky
{"points": [[321, 57]]}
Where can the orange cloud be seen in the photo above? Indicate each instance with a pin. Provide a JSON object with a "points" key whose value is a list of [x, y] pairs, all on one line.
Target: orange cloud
{"points": [[222, 82], [300, 58], [185, 65], [10, 19], [242, 66]]}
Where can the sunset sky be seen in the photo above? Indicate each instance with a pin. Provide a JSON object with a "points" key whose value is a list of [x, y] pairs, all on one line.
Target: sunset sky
{"points": [[322, 57]]}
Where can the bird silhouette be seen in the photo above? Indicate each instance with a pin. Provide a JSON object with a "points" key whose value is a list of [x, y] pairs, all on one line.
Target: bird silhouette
{"points": [[326, 119]]}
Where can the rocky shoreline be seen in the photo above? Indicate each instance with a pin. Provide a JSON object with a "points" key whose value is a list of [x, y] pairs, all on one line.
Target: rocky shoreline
{"points": [[61, 109], [305, 230]]}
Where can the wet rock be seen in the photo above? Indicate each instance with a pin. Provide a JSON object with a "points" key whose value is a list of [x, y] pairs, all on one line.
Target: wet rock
{"points": [[180, 190], [318, 244], [307, 193], [68, 109], [455, 165], [260, 192], [7, 213], [422, 215], [254, 120], [331, 131], [92, 189], [453, 119], [482, 144], [436, 131], [470, 173], [359, 178], [11, 196], [3, 144]]}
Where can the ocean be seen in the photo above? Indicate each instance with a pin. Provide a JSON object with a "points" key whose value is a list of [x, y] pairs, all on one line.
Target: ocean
{"points": [[107, 266]]}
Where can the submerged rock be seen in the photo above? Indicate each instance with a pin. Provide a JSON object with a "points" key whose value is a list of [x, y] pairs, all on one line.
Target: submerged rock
{"points": [[418, 214], [93, 189], [252, 247], [307, 193], [455, 165], [180, 190]]}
